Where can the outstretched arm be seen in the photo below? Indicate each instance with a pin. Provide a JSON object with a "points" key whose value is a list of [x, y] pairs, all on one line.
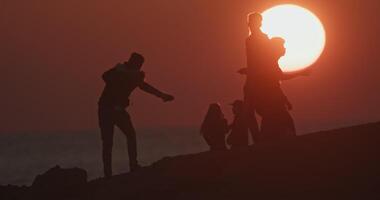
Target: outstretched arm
{"points": [[146, 87], [288, 76]]}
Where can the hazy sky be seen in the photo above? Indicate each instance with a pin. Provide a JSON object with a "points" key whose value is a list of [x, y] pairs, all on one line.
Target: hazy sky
{"points": [[53, 53]]}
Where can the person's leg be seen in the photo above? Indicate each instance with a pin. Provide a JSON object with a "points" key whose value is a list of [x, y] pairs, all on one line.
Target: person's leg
{"points": [[278, 125], [221, 144], [125, 124], [209, 142], [250, 113], [269, 124], [253, 127], [106, 125], [288, 124]]}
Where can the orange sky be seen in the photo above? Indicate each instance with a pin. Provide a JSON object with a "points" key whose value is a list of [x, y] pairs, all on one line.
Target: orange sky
{"points": [[53, 53]]}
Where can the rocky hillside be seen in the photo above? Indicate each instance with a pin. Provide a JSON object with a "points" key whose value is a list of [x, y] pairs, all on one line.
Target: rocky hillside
{"points": [[336, 164]]}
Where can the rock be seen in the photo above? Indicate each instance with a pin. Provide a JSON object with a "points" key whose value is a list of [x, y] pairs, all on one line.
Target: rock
{"points": [[11, 192], [58, 182]]}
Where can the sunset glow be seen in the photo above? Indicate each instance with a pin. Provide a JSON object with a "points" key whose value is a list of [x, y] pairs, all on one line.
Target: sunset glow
{"points": [[303, 32]]}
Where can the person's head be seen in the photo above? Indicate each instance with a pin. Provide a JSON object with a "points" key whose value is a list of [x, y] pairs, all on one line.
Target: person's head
{"points": [[237, 107], [214, 111], [135, 61], [278, 46], [254, 20]]}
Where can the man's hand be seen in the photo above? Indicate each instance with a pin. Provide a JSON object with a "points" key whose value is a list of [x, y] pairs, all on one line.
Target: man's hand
{"points": [[306, 72], [292, 75], [167, 97]]}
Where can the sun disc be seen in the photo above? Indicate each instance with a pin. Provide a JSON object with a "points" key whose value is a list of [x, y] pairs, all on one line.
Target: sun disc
{"points": [[303, 32]]}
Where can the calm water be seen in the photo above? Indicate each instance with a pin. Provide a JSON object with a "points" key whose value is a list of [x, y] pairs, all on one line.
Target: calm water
{"points": [[23, 156]]}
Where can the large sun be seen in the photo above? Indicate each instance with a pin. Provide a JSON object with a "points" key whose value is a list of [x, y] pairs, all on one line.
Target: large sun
{"points": [[303, 32]]}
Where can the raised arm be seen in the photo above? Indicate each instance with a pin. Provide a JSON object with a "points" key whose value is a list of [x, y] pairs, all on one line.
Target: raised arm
{"points": [[146, 87]]}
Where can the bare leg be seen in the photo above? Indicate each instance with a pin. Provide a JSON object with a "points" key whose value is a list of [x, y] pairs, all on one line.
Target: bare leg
{"points": [[125, 124], [253, 127], [107, 130], [288, 124], [278, 125], [251, 121]]}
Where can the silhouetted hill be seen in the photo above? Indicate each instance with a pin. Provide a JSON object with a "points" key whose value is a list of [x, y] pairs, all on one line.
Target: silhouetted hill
{"points": [[337, 164]]}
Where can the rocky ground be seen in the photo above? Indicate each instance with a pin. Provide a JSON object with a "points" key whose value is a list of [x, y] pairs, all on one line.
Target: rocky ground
{"points": [[336, 164]]}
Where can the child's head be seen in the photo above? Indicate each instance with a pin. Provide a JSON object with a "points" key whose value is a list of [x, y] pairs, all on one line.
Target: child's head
{"points": [[237, 107], [214, 114], [278, 47], [214, 111]]}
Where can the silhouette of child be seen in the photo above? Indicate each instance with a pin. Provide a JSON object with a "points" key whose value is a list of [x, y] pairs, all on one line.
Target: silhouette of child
{"points": [[214, 128], [274, 105], [276, 72], [239, 128], [272, 76]]}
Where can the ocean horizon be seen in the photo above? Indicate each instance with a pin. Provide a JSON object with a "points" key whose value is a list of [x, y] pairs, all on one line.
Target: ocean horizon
{"points": [[25, 155]]}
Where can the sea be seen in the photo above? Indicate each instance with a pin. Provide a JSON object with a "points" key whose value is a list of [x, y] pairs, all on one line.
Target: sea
{"points": [[25, 155]]}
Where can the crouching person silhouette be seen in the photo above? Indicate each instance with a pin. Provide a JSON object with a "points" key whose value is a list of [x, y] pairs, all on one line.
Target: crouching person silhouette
{"points": [[120, 82], [214, 128]]}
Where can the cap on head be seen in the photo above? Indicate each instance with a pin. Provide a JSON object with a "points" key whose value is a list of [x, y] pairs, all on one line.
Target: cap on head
{"points": [[237, 103]]}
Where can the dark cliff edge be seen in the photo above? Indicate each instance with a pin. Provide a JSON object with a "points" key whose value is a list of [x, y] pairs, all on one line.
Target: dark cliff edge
{"points": [[336, 164]]}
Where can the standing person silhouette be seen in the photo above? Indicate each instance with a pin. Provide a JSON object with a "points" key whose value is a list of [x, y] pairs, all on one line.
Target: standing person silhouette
{"points": [[120, 82], [262, 89], [255, 52]]}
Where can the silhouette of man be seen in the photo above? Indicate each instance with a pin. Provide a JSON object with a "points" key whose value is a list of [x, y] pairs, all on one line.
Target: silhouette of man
{"points": [[255, 52], [120, 82], [262, 90]]}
